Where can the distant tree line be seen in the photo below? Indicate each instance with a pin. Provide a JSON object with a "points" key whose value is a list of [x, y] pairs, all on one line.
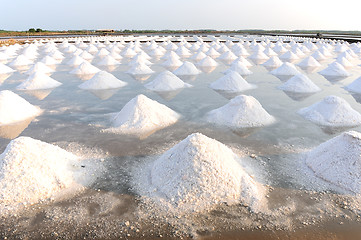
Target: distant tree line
{"points": [[33, 30]]}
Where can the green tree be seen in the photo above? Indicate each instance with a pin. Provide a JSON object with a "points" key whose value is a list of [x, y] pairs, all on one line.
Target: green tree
{"points": [[39, 30], [32, 30]]}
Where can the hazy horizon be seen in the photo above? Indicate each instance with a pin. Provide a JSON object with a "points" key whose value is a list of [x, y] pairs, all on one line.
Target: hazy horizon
{"points": [[20, 15]]}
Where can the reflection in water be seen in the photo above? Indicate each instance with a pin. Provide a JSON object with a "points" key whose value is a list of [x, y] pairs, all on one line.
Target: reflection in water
{"points": [[39, 94], [259, 61], [3, 77], [283, 78], [207, 69], [168, 95], [188, 78], [11, 131], [171, 68], [109, 68], [85, 77], [228, 94], [141, 77], [309, 70], [334, 79], [245, 132], [357, 97], [104, 94], [333, 130], [298, 96]]}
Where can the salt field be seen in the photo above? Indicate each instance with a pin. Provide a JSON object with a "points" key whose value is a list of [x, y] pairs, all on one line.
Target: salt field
{"points": [[207, 137]]}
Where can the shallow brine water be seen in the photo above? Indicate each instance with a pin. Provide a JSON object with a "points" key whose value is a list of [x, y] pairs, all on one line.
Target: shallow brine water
{"points": [[301, 206]]}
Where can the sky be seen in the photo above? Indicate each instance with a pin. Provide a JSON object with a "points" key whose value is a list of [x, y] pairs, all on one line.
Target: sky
{"points": [[180, 14]]}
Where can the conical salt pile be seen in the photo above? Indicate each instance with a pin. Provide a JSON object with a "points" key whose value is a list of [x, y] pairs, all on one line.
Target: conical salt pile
{"points": [[299, 84], [335, 69], [76, 61], [102, 80], [309, 62], [338, 161], [199, 173], [108, 61], [289, 56], [39, 67], [241, 112], [166, 81], [32, 171], [38, 81], [21, 60], [198, 56], [187, 68], [49, 61], [286, 69], [85, 68], [142, 115], [232, 82], [332, 111], [273, 62], [240, 68], [14, 108], [139, 69], [172, 61], [207, 62]]}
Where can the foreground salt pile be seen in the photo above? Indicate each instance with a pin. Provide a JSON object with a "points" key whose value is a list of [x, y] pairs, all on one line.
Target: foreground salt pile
{"points": [[102, 80], [197, 174], [166, 81], [338, 161], [32, 171], [300, 84], [232, 82], [37, 81], [14, 108], [241, 112], [332, 111], [142, 115]]}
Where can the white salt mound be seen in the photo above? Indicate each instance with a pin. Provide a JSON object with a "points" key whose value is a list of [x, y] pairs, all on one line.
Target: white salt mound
{"points": [[84, 69], [338, 161], [300, 84], [240, 68], [335, 69], [102, 80], [241, 112], [32, 171], [141, 115], [332, 111], [309, 62], [355, 86], [39, 67], [232, 82], [14, 108], [166, 81], [207, 62], [37, 81], [139, 69], [187, 68], [274, 61], [200, 172], [286, 69]]}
